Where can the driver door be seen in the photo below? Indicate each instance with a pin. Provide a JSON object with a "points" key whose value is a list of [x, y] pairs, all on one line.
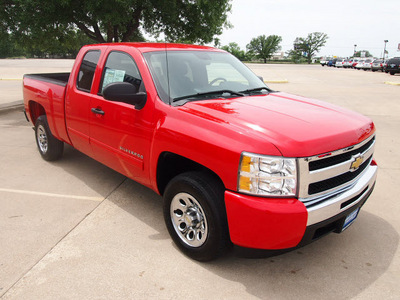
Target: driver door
{"points": [[119, 133]]}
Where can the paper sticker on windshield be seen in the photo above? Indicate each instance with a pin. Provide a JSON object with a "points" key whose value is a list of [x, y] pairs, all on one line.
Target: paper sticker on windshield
{"points": [[112, 75]]}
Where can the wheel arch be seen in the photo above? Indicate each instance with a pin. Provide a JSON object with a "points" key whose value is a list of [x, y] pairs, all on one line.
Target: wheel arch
{"points": [[170, 165], [35, 111]]}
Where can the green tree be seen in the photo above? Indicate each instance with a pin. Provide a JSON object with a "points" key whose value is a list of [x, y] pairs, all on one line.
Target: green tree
{"points": [[235, 50], [117, 20], [296, 56], [310, 45], [264, 47]]}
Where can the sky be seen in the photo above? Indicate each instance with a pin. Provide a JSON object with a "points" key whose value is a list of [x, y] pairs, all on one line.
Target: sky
{"points": [[365, 23]]}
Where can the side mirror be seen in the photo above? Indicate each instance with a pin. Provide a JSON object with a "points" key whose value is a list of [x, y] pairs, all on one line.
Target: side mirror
{"points": [[126, 93], [261, 78]]}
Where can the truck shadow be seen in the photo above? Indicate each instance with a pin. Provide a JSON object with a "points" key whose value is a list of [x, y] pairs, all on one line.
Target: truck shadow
{"points": [[335, 267]]}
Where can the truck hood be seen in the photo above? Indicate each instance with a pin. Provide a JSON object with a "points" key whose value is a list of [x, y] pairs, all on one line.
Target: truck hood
{"points": [[297, 126]]}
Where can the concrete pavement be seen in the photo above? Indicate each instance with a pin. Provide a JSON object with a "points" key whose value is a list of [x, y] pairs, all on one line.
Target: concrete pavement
{"points": [[74, 229]]}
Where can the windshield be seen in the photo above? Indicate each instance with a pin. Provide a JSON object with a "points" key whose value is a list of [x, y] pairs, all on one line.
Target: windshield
{"points": [[198, 75]]}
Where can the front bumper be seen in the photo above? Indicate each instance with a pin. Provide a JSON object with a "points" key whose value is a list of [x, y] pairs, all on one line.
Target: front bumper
{"points": [[265, 223], [276, 223]]}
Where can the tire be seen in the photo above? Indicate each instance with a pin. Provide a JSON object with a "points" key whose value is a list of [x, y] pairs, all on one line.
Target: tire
{"points": [[195, 215], [392, 73], [49, 147]]}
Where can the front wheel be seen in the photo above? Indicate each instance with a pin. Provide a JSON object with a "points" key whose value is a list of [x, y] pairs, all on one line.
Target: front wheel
{"points": [[49, 147], [195, 216]]}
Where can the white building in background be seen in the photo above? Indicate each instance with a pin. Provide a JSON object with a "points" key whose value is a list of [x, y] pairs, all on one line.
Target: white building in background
{"points": [[278, 56]]}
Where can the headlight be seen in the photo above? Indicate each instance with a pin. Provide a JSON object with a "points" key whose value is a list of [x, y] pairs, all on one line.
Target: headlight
{"points": [[267, 175]]}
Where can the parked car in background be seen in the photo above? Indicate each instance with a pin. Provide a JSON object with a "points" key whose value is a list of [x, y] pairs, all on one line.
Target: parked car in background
{"points": [[332, 62], [355, 62], [323, 62], [367, 64], [360, 64], [393, 66], [385, 65], [347, 63], [339, 63], [377, 65]]}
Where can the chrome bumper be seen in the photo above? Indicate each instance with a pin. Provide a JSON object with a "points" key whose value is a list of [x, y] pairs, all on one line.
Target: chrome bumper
{"points": [[343, 201]]}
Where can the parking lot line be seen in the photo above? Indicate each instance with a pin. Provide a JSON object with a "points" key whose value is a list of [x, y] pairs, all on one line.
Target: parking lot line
{"points": [[51, 194], [392, 83]]}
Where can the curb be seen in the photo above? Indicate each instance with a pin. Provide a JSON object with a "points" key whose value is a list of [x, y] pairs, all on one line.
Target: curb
{"points": [[277, 81], [392, 83], [11, 106]]}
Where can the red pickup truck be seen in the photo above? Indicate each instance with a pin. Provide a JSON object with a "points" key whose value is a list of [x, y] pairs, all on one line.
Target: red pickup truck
{"points": [[235, 162]]}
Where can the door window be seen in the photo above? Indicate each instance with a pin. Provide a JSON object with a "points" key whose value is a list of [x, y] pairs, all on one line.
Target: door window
{"points": [[120, 67]]}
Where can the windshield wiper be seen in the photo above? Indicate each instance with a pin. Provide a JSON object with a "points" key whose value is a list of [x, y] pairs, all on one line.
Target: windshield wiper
{"points": [[259, 89], [224, 93]]}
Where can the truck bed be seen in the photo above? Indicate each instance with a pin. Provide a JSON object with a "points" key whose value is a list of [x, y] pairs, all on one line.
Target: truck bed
{"points": [[55, 78], [44, 94]]}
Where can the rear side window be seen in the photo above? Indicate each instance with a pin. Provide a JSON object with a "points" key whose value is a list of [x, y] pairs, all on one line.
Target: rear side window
{"points": [[120, 67], [86, 71], [394, 61]]}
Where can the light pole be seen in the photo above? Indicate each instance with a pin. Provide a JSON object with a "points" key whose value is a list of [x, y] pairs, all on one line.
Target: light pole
{"points": [[384, 49], [355, 46]]}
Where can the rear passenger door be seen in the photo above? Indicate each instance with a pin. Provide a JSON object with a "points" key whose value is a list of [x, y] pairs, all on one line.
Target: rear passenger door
{"points": [[77, 102]]}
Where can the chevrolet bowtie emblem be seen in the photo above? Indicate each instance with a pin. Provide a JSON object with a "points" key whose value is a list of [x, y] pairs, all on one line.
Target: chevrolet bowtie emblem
{"points": [[357, 161]]}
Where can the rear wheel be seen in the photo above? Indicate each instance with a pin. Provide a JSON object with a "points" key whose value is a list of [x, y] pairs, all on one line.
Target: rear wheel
{"points": [[194, 213], [49, 147], [392, 73]]}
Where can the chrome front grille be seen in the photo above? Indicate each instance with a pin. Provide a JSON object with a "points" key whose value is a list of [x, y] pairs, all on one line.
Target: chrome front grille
{"points": [[325, 176], [331, 183]]}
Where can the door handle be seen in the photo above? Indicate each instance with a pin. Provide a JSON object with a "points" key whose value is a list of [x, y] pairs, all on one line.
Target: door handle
{"points": [[97, 111]]}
